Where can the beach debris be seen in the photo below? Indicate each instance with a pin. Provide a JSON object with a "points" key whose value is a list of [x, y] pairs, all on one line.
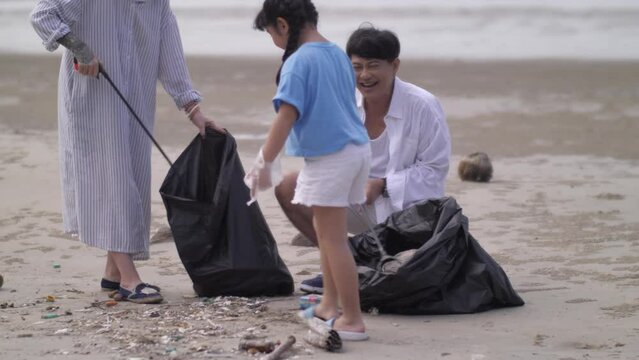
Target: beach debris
{"points": [[50, 298], [61, 332], [110, 303], [24, 335], [321, 335], [309, 300], [280, 350], [475, 167], [6, 305], [183, 330], [56, 265], [1, 281], [48, 316], [253, 346]]}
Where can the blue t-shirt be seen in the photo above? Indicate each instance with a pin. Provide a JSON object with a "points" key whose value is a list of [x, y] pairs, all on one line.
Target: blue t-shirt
{"points": [[318, 80]]}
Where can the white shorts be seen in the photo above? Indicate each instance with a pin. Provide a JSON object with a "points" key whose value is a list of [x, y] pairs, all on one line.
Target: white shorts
{"points": [[336, 180]]}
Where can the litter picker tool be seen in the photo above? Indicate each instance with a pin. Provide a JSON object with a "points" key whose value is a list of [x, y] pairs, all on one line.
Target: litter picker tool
{"points": [[135, 115]]}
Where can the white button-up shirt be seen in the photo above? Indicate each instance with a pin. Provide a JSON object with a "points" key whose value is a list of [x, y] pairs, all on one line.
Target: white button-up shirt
{"points": [[419, 148]]}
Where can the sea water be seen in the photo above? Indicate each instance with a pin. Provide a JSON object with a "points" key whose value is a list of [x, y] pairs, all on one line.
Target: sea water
{"points": [[438, 29]]}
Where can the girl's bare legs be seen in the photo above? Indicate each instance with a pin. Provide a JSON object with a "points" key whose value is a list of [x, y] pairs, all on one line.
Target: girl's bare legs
{"points": [[338, 267], [111, 271], [328, 308], [129, 277]]}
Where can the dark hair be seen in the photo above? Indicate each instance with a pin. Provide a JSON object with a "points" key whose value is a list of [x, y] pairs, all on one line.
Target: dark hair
{"points": [[371, 43], [297, 14]]}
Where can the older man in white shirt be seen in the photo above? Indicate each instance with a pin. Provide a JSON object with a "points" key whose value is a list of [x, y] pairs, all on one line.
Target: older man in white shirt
{"points": [[410, 141]]}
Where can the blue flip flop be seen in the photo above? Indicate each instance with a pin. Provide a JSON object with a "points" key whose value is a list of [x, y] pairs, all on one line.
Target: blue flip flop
{"points": [[142, 294], [108, 285]]}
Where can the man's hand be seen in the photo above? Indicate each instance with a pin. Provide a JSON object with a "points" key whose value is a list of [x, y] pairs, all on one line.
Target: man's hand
{"points": [[202, 122], [374, 188]]}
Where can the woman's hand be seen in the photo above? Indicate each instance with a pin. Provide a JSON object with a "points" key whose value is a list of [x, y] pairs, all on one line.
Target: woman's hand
{"points": [[91, 69], [202, 122]]}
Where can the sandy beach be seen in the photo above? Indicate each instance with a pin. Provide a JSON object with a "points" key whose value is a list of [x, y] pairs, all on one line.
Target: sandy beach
{"points": [[560, 217]]}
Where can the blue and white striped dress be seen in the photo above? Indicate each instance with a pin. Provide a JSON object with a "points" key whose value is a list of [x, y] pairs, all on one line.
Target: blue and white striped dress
{"points": [[105, 160]]}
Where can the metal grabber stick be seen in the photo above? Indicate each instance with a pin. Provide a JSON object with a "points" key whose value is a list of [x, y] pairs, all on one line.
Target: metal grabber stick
{"points": [[137, 118]]}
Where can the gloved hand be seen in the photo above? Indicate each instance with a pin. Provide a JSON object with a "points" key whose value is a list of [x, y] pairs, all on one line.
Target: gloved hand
{"points": [[262, 176]]}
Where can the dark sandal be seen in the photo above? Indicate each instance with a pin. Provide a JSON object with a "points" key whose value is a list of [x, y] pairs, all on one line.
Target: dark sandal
{"points": [[108, 285], [139, 295]]}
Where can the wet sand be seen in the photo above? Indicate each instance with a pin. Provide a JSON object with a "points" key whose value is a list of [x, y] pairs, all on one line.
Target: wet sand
{"points": [[560, 216]]}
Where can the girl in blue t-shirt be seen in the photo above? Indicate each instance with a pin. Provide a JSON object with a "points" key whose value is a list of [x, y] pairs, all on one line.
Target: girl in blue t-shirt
{"points": [[317, 118]]}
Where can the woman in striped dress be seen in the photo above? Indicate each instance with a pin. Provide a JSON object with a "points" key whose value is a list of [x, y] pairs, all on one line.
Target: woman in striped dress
{"points": [[105, 160]]}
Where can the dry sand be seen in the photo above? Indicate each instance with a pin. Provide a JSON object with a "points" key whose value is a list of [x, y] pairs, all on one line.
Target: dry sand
{"points": [[560, 216]]}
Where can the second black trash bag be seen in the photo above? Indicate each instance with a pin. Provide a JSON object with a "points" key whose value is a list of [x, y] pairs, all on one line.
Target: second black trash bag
{"points": [[226, 246], [442, 269]]}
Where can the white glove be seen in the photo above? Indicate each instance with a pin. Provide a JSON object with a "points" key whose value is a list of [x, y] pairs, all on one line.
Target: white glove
{"points": [[263, 175]]}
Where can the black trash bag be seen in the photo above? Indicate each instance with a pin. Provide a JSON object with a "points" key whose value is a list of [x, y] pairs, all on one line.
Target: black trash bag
{"points": [[226, 246], [443, 270]]}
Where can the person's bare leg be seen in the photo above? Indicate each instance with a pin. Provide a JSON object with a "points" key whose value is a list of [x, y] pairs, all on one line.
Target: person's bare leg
{"points": [[300, 216], [330, 225], [328, 306], [111, 271], [129, 277]]}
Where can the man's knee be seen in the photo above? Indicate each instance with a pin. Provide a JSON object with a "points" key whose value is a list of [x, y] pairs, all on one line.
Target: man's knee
{"points": [[285, 191]]}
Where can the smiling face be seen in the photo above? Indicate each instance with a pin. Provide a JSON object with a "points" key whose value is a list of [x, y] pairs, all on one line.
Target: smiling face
{"points": [[374, 76]]}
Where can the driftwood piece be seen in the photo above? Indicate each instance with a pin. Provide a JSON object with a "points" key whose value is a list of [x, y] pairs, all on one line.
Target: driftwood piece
{"points": [[277, 353], [322, 336], [254, 345]]}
